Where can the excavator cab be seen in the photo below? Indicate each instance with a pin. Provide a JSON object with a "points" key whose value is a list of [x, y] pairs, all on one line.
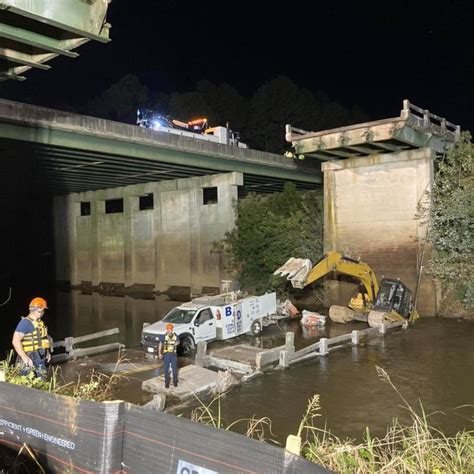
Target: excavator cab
{"points": [[393, 295], [387, 303]]}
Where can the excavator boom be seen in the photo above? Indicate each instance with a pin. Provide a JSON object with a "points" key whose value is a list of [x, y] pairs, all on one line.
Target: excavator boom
{"points": [[301, 273]]}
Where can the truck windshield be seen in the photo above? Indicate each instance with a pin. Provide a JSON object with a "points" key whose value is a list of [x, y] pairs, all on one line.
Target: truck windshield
{"points": [[180, 316]]}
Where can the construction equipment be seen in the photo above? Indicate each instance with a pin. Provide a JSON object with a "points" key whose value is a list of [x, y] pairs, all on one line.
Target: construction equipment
{"points": [[376, 304], [198, 128]]}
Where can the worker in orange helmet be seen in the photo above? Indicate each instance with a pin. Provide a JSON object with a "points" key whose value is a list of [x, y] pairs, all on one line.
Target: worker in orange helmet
{"points": [[31, 340], [167, 351]]}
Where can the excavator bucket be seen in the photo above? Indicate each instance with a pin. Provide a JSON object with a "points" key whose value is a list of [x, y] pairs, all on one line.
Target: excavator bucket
{"points": [[296, 270]]}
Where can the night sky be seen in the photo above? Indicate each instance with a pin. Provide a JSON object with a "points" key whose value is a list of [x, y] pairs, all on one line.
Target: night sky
{"points": [[373, 54]]}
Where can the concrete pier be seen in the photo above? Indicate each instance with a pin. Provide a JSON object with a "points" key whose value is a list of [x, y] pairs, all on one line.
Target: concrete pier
{"points": [[372, 207], [158, 234]]}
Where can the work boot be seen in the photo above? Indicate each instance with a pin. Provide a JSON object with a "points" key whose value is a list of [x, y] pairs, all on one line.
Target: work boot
{"points": [[167, 385], [175, 384]]}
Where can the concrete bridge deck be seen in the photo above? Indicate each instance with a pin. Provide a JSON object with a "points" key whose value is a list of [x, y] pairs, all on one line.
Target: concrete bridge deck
{"points": [[415, 128], [76, 153]]}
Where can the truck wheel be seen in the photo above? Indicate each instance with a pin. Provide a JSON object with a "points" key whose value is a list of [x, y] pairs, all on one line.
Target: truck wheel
{"points": [[256, 328], [187, 346]]}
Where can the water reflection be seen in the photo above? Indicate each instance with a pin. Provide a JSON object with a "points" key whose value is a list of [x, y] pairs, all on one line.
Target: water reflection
{"points": [[88, 313]]}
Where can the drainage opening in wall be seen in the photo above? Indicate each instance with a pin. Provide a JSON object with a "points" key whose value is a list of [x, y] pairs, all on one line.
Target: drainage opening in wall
{"points": [[146, 202], [85, 208], [113, 206], [209, 195]]}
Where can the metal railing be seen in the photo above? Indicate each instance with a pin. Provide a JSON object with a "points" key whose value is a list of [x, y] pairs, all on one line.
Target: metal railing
{"points": [[426, 121], [416, 117]]}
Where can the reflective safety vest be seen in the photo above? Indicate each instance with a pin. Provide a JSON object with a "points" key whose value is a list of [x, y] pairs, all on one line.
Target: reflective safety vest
{"points": [[169, 344], [38, 338]]}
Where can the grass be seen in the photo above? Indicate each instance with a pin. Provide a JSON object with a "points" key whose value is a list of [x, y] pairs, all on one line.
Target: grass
{"points": [[414, 448], [97, 387], [411, 448], [211, 414]]}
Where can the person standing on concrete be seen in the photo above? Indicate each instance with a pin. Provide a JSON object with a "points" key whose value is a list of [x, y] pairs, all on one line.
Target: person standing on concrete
{"points": [[31, 340], [167, 351]]}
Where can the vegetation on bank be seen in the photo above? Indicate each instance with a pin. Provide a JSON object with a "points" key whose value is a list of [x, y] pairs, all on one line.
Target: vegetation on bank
{"points": [[450, 216], [98, 387], [268, 230], [417, 447], [412, 448]]}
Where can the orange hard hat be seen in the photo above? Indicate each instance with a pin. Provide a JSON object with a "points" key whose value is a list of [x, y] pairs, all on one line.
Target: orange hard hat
{"points": [[38, 303], [169, 326]]}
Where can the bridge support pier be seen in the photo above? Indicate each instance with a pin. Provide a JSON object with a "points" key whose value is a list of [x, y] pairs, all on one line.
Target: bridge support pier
{"points": [[156, 234], [371, 212]]}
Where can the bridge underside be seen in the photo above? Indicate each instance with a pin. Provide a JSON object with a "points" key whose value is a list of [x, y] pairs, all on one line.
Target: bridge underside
{"points": [[63, 170], [33, 33], [65, 153]]}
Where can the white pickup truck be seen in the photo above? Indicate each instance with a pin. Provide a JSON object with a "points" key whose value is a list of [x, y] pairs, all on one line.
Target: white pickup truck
{"points": [[211, 318]]}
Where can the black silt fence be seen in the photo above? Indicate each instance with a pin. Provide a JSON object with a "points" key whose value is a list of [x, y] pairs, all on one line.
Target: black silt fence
{"points": [[67, 434], [70, 435]]}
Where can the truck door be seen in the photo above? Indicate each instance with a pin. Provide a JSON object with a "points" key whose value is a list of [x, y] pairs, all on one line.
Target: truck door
{"points": [[204, 326]]}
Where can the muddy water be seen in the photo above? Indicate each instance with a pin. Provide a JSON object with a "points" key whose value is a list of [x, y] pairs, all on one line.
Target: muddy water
{"points": [[433, 362]]}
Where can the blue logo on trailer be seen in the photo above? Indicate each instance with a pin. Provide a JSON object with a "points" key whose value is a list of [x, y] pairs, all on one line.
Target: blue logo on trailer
{"points": [[239, 315], [228, 311]]}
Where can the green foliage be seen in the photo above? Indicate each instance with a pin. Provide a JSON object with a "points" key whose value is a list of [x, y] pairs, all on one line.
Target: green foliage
{"points": [[269, 230], [451, 222], [98, 387]]}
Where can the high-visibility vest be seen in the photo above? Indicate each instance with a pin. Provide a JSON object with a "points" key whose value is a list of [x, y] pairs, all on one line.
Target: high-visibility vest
{"points": [[169, 344], [38, 338]]}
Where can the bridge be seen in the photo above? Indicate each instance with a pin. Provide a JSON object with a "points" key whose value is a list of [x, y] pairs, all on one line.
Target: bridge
{"points": [[377, 177], [34, 32], [67, 153]]}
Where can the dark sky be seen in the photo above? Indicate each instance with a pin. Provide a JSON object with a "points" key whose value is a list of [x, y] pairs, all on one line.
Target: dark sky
{"points": [[373, 54]]}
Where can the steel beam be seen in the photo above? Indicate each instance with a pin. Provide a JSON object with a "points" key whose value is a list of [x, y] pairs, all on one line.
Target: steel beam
{"points": [[21, 58], [10, 75], [36, 40]]}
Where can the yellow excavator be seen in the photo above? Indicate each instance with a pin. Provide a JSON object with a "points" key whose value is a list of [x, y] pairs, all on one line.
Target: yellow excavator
{"points": [[376, 304]]}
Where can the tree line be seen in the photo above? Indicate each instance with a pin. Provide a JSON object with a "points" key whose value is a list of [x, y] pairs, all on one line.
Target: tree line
{"points": [[260, 119]]}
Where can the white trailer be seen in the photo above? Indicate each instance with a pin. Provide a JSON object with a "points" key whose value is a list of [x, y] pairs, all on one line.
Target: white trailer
{"points": [[212, 318]]}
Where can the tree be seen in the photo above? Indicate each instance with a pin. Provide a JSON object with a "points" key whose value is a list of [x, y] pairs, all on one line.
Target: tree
{"points": [[120, 101], [268, 230], [220, 104], [226, 104], [280, 102], [451, 222]]}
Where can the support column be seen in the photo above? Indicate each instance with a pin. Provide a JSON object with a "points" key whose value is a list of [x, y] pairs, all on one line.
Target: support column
{"points": [[195, 240], [157, 232], [97, 213], [73, 211], [130, 207]]}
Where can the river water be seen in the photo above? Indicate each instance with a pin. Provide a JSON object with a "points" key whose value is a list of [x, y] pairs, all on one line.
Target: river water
{"points": [[431, 362]]}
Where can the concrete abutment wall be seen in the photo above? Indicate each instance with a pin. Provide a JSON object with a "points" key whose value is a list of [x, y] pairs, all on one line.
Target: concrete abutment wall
{"points": [[168, 245], [372, 213]]}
